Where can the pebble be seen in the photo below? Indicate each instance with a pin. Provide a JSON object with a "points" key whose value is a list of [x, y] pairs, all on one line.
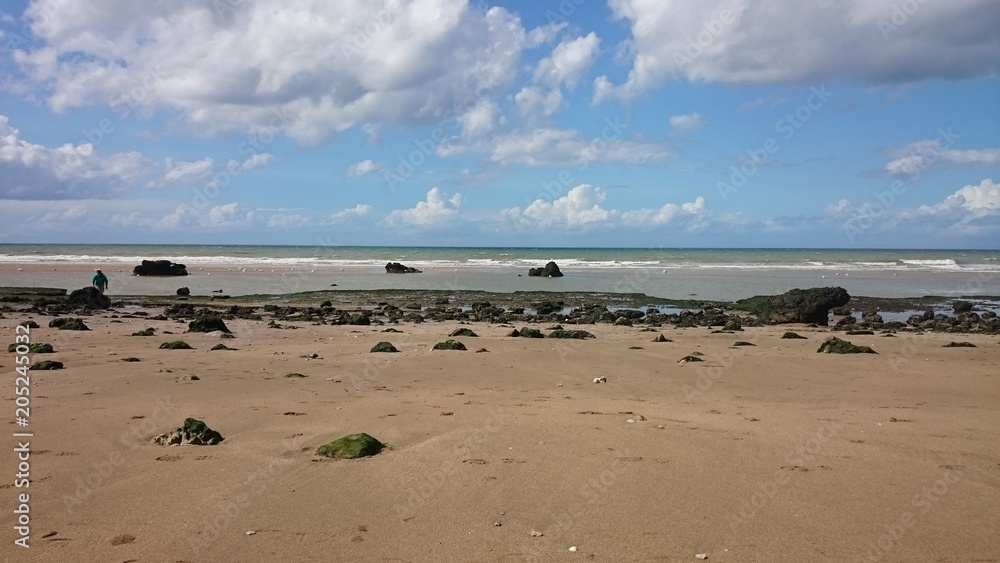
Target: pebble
{"points": [[572, 548], [536, 534], [251, 533], [600, 380], [497, 524], [701, 556]]}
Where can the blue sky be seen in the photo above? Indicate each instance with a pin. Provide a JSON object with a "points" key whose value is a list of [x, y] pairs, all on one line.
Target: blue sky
{"points": [[773, 123]]}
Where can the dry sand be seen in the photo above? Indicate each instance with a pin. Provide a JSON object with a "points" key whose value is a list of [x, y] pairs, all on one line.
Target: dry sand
{"points": [[764, 453]]}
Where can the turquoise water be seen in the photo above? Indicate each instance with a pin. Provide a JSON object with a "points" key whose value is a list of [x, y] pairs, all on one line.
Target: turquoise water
{"points": [[668, 272]]}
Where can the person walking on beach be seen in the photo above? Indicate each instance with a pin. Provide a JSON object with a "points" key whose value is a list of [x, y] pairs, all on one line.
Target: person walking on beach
{"points": [[100, 281]]}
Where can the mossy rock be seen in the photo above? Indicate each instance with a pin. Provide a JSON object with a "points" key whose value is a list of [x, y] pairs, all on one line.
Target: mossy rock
{"points": [[959, 345], [145, 332], [697, 353], [793, 336], [390, 329], [463, 332], [66, 323], [294, 375], [635, 348], [46, 365], [131, 359], [450, 345], [834, 345], [28, 324], [661, 338], [351, 447], [208, 323], [359, 319], [481, 350], [176, 345], [194, 432], [530, 333], [577, 334], [220, 346], [743, 343], [690, 358], [33, 348], [383, 347], [227, 335], [733, 325]]}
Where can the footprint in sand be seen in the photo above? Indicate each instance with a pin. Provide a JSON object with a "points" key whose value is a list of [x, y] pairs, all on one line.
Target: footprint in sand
{"points": [[511, 460], [203, 457], [168, 458], [475, 461], [794, 468], [629, 458], [66, 453], [123, 539]]}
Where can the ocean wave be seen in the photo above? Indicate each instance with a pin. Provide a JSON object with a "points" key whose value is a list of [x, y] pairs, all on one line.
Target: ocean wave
{"points": [[514, 261]]}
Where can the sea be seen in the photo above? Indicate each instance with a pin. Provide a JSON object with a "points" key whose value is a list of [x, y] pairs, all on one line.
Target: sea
{"points": [[669, 273]]}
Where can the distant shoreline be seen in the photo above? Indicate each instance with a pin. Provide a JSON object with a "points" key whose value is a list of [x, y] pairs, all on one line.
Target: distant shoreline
{"points": [[361, 299]]}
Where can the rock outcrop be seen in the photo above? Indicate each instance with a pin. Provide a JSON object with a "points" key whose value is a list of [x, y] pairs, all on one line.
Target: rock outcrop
{"points": [[159, 268], [194, 432], [397, 268], [796, 306], [90, 298], [551, 270], [351, 447]]}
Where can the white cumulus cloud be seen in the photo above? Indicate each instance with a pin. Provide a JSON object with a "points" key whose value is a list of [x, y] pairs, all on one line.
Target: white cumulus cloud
{"points": [[568, 62], [581, 206], [770, 41], [304, 69], [359, 210], [567, 147], [687, 122], [916, 158], [32, 171], [437, 210], [361, 168]]}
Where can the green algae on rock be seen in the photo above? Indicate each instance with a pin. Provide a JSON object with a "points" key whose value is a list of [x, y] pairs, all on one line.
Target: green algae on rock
{"points": [[351, 446]]}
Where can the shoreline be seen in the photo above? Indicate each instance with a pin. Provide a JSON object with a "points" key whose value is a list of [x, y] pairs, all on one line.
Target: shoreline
{"points": [[465, 298]]}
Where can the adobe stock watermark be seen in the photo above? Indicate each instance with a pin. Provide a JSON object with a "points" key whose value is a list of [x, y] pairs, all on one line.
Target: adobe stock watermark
{"points": [[566, 9], [122, 105], [565, 180], [787, 126], [434, 480], [723, 22], [129, 440], [352, 47], [590, 494], [707, 376], [44, 11], [869, 213], [767, 489], [229, 508], [913, 342], [900, 16], [922, 503], [252, 147]]}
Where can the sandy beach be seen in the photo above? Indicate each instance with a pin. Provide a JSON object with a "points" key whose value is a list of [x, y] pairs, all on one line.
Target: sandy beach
{"points": [[770, 452]]}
